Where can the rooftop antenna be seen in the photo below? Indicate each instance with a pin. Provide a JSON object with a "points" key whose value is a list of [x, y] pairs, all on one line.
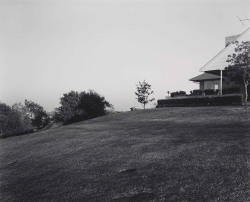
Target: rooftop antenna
{"points": [[242, 20]]}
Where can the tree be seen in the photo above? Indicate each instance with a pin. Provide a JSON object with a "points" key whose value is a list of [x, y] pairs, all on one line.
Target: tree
{"points": [[68, 112], [80, 106], [143, 93], [93, 104], [38, 116], [5, 112], [239, 67], [12, 121], [23, 114]]}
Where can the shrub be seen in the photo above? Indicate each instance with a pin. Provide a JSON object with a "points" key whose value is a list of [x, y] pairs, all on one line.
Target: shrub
{"points": [[196, 92], [80, 106], [231, 90], [178, 93], [202, 101], [211, 92], [92, 104]]}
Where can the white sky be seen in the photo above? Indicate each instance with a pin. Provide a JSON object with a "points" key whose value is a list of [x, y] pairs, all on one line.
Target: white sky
{"points": [[48, 48]]}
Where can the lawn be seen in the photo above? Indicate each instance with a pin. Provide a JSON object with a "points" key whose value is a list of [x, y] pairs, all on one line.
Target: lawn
{"points": [[166, 154]]}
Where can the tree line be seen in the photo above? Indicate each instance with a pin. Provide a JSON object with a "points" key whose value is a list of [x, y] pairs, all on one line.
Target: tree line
{"points": [[21, 118], [74, 106]]}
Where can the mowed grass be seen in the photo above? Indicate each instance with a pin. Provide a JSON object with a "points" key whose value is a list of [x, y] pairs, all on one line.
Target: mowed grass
{"points": [[167, 154]]}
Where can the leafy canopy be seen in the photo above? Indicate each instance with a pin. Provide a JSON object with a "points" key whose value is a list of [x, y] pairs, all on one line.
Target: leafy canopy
{"points": [[143, 92], [80, 106], [13, 119], [38, 116], [239, 68]]}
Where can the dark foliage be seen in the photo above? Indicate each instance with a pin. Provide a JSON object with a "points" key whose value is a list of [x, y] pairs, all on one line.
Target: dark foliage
{"points": [[92, 104], [211, 92], [231, 90], [178, 93], [238, 69], [38, 116], [69, 111], [202, 101], [196, 92], [13, 120], [204, 92], [80, 106], [5, 118]]}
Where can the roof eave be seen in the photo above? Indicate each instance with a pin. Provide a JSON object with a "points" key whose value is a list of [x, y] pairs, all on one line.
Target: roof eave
{"points": [[203, 69]]}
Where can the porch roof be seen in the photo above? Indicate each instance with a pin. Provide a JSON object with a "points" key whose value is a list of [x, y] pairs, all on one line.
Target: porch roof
{"points": [[205, 76]]}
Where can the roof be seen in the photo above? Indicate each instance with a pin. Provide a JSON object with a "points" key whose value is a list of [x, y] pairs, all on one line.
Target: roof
{"points": [[205, 76], [219, 61]]}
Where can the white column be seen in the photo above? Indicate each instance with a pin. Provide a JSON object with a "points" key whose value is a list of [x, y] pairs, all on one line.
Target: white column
{"points": [[221, 82]]}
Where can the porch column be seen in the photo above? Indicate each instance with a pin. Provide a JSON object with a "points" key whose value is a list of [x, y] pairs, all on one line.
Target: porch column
{"points": [[221, 82]]}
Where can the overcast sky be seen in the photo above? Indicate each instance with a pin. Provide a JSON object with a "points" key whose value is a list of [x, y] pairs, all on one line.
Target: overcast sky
{"points": [[48, 48]]}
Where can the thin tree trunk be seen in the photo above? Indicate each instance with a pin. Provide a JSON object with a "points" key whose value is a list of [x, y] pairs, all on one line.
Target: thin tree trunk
{"points": [[246, 95]]}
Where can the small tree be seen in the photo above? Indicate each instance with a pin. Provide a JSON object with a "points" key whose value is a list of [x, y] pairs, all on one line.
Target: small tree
{"points": [[239, 67], [143, 93]]}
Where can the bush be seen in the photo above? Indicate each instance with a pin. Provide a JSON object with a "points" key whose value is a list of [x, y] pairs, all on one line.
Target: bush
{"points": [[205, 92], [211, 92], [202, 101], [231, 90], [92, 104], [196, 92], [178, 93], [80, 106]]}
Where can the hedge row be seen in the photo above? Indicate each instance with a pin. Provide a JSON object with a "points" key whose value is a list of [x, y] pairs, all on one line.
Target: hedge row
{"points": [[217, 100], [231, 90]]}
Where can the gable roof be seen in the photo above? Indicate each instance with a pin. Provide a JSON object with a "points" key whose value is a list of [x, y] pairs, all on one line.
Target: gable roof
{"points": [[219, 61], [205, 76]]}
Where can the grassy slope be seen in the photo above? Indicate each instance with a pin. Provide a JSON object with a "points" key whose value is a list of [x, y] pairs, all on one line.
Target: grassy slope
{"points": [[173, 154]]}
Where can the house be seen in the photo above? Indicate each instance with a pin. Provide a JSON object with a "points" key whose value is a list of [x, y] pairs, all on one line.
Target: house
{"points": [[208, 81], [214, 73]]}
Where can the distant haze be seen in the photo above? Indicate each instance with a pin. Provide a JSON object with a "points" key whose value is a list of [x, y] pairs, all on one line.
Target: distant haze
{"points": [[48, 48]]}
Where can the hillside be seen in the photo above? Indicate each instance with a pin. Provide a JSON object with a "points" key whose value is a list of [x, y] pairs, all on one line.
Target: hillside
{"points": [[173, 154]]}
